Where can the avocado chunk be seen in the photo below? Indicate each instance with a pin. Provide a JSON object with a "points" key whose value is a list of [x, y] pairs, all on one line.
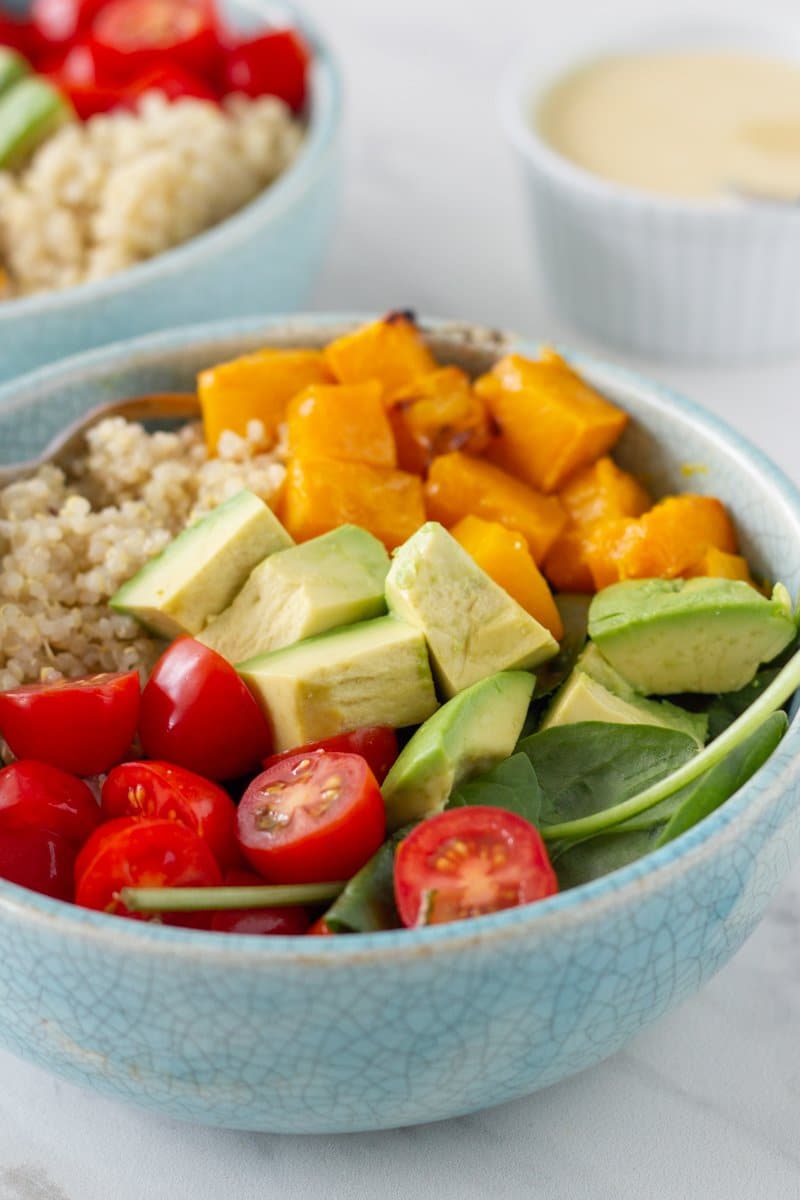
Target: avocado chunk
{"points": [[336, 579], [30, 111], [472, 626], [693, 635], [472, 732], [373, 673], [582, 698], [198, 574], [13, 67]]}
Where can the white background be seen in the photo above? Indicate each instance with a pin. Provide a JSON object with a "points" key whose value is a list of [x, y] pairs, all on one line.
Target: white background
{"points": [[706, 1105]]}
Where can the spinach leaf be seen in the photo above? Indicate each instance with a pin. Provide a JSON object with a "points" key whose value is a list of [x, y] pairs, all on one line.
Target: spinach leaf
{"points": [[603, 854], [367, 903], [724, 709], [512, 785], [698, 799], [574, 611], [586, 768]]}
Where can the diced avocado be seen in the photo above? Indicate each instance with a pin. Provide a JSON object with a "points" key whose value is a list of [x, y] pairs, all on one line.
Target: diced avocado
{"points": [[198, 574], [694, 635], [30, 111], [582, 698], [476, 729], [373, 673], [13, 67], [591, 663], [336, 579], [472, 626]]}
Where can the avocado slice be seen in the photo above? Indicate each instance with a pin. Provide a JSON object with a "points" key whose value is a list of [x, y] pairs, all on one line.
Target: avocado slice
{"points": [[335, 579], [30, 111], [373, 673], [693, 635], [476, 729], [472, 626], [13, 67], [198, 574], [582, 698]]}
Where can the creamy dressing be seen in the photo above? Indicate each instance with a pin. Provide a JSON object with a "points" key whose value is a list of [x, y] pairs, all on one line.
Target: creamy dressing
{"points": [[691, 124]]}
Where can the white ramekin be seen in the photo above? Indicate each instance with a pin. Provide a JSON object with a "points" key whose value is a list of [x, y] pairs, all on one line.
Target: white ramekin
{"points": [[702, 281]]}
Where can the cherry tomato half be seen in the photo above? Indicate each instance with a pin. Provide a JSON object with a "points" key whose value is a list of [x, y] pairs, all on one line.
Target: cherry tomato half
{"points": [[38, 859], [274, 64], [83, 726], [320, 928], [311, 818], [140, 853], [159, 789], [172, 82], [197, 712], [376, 743], [262, 921], [58, 22], [35, 795], [467, 862], [136, 36]]}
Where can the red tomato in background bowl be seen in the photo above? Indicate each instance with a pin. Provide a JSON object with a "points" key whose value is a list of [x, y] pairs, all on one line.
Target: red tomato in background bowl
{"points": [[198, 713], [133, 37], [273, 64], [83, 726]]}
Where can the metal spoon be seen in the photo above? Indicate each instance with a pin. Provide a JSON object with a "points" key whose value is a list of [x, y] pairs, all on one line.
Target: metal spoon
{"points": [[157, 407]]}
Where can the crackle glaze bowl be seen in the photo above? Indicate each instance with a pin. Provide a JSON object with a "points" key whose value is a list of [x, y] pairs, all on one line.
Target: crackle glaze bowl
{"points": [[388, 1029], [265, 258]]}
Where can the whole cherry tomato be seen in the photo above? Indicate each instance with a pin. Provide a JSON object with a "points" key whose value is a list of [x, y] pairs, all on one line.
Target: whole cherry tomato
{"points": [[262, 921], [197, 712], [131, 852], [83, 726], [273, 64], [376, 743], [159, 789], [136, 36], [311, 818], [467, 862], [38, 859], [35, 795]]}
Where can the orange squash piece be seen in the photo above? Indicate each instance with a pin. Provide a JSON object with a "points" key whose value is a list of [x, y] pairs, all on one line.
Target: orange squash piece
{"points": [[255, 387], [551, 422], [567, 565], [720, 565], [320, 494], [504, 555], [437, 414], [661, 544], [459, 486], [341, 421], [602, 491], [391, 350]]}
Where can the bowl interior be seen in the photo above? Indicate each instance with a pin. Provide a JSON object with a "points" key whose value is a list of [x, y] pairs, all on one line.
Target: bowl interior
{"points": [[673, 445]]}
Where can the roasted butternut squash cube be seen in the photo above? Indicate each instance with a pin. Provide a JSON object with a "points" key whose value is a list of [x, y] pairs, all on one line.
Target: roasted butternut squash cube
{"points": [[504, 555], [551, 421], [567, 565], [718, 564], [661, 544], [391, 350], [602, 491], [346, 421], [322, 493], [437, 414], [460, 486], [255, 387]]}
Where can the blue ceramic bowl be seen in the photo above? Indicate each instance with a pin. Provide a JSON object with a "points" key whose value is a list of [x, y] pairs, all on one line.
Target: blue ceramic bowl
{"points": [[265, 258], [355, 1033]]}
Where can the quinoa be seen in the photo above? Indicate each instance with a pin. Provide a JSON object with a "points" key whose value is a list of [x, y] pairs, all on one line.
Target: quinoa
{"points": [[99, 196], [69, 539]]}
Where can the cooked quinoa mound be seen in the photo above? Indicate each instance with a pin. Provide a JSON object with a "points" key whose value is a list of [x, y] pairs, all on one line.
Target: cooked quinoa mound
{"points": [[102, 195], [69, 539]]}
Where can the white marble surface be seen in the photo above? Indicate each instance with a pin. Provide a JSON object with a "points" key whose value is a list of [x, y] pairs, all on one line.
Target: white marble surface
{"points": [[707, 1104]]}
